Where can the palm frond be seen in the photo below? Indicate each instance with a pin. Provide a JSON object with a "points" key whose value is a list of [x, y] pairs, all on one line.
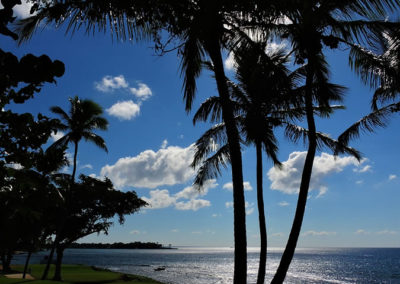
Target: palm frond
{"points": [[210, 107], [191, 65], [96, 139], [369, 123], [211, 167], [208, 143]]}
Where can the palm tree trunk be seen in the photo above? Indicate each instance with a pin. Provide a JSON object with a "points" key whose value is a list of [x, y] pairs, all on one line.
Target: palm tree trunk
{"points": [[50, 259], [27, 263], [57, 272], [304, 185], [75, 155], [261, 216], [5, 261], [239, 213]]}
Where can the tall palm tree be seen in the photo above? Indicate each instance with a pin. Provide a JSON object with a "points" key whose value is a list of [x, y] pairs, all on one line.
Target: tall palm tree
{"points": [[311, 25], [84, 117], [263, 81]]}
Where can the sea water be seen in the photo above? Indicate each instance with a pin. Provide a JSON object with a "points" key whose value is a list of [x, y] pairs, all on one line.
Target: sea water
{"points": [[199, 265]]}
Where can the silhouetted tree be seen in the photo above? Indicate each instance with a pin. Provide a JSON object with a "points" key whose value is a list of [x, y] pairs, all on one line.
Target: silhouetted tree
{"points": [[88, 207], [84, 117], [311, 25]]}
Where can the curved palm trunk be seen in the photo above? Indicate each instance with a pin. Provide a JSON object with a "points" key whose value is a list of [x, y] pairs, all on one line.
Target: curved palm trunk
{"points": [[27, 263], [239, 213], [75, 155], [261, 216], [50, 259], [57, 272], [304, 185]]}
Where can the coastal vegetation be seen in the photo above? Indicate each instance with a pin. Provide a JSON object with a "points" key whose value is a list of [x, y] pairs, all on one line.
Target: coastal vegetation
{"points": [[119, 245], [247, 108]]}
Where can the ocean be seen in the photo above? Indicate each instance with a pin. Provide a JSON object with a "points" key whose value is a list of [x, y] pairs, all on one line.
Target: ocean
{"points": [[199, 265]]}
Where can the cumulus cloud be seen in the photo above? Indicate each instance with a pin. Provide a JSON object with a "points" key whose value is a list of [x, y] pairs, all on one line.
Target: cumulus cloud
{"points": [[287, 180], [151, 169], [21, 11], [246, 185], [186, 199], [321, 233], [125, 110], [143, 92], [392, 177], [109, 83], [57, 136]]}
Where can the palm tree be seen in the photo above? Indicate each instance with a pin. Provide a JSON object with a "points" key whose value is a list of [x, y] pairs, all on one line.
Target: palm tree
{"points": [[310, 26], [263, 81], [382, 71], [84, 117]]}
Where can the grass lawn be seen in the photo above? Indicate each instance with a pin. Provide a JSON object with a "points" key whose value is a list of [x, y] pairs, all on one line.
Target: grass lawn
{"points": [[78, 274]]}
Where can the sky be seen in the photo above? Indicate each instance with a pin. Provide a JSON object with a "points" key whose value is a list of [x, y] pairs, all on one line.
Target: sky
{"points": [[150, 142]]}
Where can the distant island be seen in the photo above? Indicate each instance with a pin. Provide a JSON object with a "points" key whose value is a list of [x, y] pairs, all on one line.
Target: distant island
{"points": [[119, 245]]}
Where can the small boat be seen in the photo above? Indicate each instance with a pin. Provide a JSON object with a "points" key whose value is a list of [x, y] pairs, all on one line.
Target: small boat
{"points": [[160, 268]]}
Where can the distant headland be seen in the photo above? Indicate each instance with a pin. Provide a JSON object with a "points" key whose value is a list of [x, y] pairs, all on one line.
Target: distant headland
{"points": [[119, 245]]}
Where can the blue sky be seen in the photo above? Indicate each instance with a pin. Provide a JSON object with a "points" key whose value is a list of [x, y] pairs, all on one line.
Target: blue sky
{"points": [[150, 137]]}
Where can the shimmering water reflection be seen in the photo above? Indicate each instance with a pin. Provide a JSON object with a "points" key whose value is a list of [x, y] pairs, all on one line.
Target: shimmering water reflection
{"points": [[215, 265]]}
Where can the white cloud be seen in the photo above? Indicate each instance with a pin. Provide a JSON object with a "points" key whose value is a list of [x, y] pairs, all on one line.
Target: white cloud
{"points": [[366, 168], [57, 136], [109, 83], [186, 199], [287, 180], [193, 204], [21, 11], [150, 169], [272, 46], [15, 166], [87, 166], [249, 207], [229, 62], [159, 199], [164, 144], [277, 235], [392, 177], [215, 215], [246, 185], [361, 232], [315, 233], [174, 230], [143, 92], [359, 182], [283, 204], [125, 110], [135, 232]]}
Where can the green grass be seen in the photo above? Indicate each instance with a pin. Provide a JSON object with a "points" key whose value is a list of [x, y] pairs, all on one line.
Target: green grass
{"points": [[79, 274]]}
